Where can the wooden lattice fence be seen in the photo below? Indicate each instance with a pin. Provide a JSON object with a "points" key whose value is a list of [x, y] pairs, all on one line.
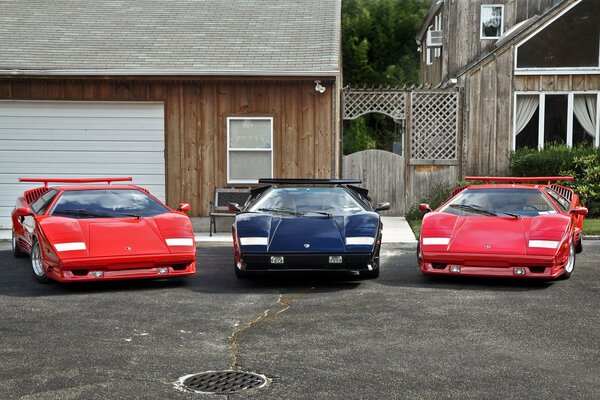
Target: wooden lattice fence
{"points": [[432, 142]]}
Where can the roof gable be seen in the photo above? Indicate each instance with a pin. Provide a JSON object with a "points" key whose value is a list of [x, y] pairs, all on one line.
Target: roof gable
{"points": [[189, 37]]}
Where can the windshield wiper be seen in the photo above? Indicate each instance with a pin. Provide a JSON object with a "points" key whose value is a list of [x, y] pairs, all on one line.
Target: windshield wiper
{"points": [[281, 210], [83, 213], [516, 216], [328, 215], [136, 216], [474, 208]]}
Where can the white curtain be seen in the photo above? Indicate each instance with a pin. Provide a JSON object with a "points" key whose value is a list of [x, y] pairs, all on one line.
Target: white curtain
{"points": [[526, 106], [584, 107]]}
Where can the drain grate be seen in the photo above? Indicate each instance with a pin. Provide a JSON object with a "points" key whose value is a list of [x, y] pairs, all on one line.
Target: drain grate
{"points": [[223, 382]]}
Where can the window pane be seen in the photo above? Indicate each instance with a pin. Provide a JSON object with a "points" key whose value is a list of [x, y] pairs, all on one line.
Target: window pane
{"points": [[528, 137], [250, 133], [248, 165], [570, 41], [555, 119], [491, 22]]}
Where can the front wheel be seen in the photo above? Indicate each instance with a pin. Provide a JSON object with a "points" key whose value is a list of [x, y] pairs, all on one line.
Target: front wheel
{"points": [[16, 250], [570, 265], [37, 264], [239, 273]]}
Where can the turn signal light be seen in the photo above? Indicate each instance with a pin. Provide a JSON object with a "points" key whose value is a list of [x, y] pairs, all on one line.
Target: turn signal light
{"points": [[519, 271], [162, 270], [97, 274]]}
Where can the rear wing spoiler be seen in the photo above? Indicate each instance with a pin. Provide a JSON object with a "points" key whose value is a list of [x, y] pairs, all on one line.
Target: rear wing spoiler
{"points": [[521, 179], [307, 181], [46, 181]]}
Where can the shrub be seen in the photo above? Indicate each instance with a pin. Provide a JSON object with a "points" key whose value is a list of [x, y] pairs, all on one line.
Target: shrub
{"points": [[581, 162], [436, 196]]}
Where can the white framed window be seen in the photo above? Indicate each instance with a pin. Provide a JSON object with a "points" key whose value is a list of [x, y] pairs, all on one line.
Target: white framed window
{"points": [[571, 118], [428, 52], [492, 21], [249, 149]]}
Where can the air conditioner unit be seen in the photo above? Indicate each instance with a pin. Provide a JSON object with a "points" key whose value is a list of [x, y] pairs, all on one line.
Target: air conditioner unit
{"points": [[434, 38]]}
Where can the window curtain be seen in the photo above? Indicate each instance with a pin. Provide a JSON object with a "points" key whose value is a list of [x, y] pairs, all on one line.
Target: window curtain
{"points": [[526, 106], [584, 108]]}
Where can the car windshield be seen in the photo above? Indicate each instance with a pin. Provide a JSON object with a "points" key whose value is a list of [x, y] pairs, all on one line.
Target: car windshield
{"points": [[304, 200], [107, 203], [500, 202]]}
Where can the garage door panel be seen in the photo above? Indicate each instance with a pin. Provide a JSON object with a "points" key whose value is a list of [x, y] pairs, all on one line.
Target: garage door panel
{"points": [[76, 157], [83, 146], [67, 109], [78, 122], [121, 135], [79, 140]]}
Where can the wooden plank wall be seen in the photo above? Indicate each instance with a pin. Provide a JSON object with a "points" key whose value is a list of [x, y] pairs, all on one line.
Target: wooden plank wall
{"points": [[305, 128], [382, 172], [488, 99]]}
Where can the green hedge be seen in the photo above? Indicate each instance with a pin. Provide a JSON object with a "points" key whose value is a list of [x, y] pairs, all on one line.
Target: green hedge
{"points": [[582, 162]]}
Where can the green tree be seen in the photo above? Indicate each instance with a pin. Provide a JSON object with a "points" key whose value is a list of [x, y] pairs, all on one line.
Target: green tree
{"points": [[379, 49]]}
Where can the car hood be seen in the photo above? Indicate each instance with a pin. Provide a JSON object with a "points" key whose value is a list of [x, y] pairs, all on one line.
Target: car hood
{"points": [[308, 233], [105, 237], [493, 235]]}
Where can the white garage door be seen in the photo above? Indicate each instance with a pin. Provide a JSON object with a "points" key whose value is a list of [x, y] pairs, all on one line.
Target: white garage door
{"points": [[79, 139]]}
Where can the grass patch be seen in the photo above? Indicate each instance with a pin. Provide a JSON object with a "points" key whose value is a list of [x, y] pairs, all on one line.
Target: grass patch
{"points": [[591, 226], [415, 225]]}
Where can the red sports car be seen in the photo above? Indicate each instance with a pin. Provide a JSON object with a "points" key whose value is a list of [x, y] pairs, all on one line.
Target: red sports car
{"points": [[90, 231], [507, 227]]}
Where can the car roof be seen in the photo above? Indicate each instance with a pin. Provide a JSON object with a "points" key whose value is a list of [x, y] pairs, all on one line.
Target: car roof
{"points": [[95, 187]]}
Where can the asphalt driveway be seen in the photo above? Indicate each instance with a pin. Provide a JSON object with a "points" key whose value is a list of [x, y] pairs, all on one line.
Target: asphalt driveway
{"points": [[401, 336]]}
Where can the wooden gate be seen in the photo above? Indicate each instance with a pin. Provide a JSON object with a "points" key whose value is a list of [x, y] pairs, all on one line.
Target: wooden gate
{"points": [[432, 143], [382, 173]]}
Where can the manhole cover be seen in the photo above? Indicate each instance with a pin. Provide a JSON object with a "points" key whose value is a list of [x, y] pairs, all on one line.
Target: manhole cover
{"points": [[223, 382]]}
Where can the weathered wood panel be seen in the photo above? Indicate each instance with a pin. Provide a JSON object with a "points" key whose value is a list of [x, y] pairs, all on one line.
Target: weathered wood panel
{"points": [[561, 83], [423, 178], [382, 172], [195, 124]]}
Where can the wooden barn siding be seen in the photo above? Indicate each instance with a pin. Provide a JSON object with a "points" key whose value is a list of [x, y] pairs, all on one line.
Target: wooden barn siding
{"points": [[195, 125], [566, 83], [463, 26], [487, 139]]}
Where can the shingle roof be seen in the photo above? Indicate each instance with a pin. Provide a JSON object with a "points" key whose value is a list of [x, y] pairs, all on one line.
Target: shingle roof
{"points": [[245, 37]]}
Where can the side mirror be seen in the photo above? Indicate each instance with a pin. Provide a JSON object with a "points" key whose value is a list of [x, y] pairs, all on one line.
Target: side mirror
{"points": [[23, 212], [583, 211], [235, 207], [424, 207], [382, 206], [184, 207]]}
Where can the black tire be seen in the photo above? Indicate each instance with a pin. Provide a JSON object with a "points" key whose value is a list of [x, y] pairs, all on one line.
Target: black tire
{"points": [[579, 246], [570, 266], [16, 250], [37, 266], [372, 274], [239, 273]]}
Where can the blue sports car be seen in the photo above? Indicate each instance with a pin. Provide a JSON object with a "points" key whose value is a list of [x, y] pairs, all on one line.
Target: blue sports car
{"points": [[307, 225]]}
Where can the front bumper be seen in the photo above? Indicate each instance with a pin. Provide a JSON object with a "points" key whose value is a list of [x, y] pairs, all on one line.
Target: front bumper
{"points": [[306, 262], [497, 265], [120, 268]]}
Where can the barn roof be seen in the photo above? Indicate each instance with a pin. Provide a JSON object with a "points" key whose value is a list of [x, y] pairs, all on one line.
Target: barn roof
{"points": [[158, 37]]}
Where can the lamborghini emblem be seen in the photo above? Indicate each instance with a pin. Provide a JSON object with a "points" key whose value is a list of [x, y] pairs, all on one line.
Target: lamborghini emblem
{"points": [[306, 245]]}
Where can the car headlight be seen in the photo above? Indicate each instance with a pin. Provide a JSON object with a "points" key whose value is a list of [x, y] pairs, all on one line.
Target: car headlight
{"points": [[544, 244], [436, 240], [180, 242], [360, 240], [70, 246], [254, 241]]}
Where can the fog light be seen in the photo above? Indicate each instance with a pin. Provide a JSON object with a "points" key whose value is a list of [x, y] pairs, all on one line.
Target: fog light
{"points": [[455, 269], [335, 259], [519, 271], [162, 270], [276, 260], [97, 274]]}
